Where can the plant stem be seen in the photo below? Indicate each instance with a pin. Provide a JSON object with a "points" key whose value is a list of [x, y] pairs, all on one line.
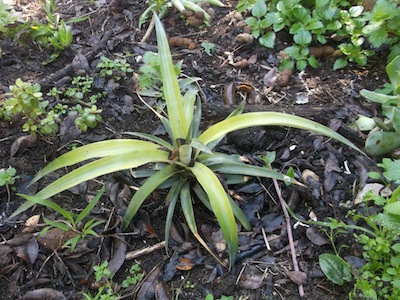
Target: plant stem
{"points": [[289, 233]]}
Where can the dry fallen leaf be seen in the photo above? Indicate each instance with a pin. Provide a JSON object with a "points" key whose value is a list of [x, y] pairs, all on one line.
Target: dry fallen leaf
{"points": [[41, 294], [315, 237], [297, 277], [31, 224], [28, 252], [22, 142]]}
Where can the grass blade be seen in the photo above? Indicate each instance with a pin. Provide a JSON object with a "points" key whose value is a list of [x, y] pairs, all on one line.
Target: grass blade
{"points": [[52, 205], [89, 207]]}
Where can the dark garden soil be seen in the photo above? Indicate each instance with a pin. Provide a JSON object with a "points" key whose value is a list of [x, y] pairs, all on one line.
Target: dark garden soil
{"points": [[333, 173]]}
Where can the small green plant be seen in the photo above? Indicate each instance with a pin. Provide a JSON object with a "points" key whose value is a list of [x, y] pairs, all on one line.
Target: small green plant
{"points": [[103, 274], [186, 165], [72, 222], [316, 23], [209, 48], [8, 176], [116, 69], [26, 99], [384, 136], [134, 278], [379, 277], [7, 17]]}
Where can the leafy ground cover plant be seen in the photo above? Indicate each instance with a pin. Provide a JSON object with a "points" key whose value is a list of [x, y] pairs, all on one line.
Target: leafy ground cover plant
{"points": [[104, 278], [186, 164], [384, 135], [26, 99], [377, 236], [54, 33], [321, 22], [114, 68]]}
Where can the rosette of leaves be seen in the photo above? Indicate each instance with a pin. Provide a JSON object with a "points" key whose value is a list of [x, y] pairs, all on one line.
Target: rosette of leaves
{"points": [[385, 134], [186, 164]]}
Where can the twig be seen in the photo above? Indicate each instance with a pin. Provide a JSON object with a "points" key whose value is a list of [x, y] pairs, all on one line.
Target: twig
{"points": [[148, 31], [144, 251], [289, 233]]}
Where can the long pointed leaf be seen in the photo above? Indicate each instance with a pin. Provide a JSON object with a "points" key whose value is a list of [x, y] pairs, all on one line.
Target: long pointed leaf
{"points": [[95, 150], [267, 119], [52, 205], [243, 169], [152, 138], [90, 206], [238, 111], [235, 208], [145, 190], [95, 169], [187, 207], [171, 199], [188, 212], [220, 205], [172, 93]]}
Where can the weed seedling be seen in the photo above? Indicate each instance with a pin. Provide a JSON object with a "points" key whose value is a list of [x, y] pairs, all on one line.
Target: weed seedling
{"points": [[72, 222]]}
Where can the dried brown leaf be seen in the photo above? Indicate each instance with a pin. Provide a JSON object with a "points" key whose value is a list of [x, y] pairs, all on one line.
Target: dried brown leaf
{"points": [[315, 237], [297, 277], [21, 143], [45, 293]]}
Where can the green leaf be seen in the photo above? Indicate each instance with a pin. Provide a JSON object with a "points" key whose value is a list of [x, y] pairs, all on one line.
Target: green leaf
{"points": [[335, 268], [243, 169], [220, 205], [52, 205], [301, 64], [95, 150], [187, 207], [389, 221], [95, 169], [293, 51], [396, 119], [90, 206], [392, 169], [377, 97], [171, 199], [393, 71], [268, 39], [172, 94], [269, 119], [145, 190], [302, 37], [340, 63], [356, 11], [313, 62], [259, 9], [382, 142], [152, 138]]}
